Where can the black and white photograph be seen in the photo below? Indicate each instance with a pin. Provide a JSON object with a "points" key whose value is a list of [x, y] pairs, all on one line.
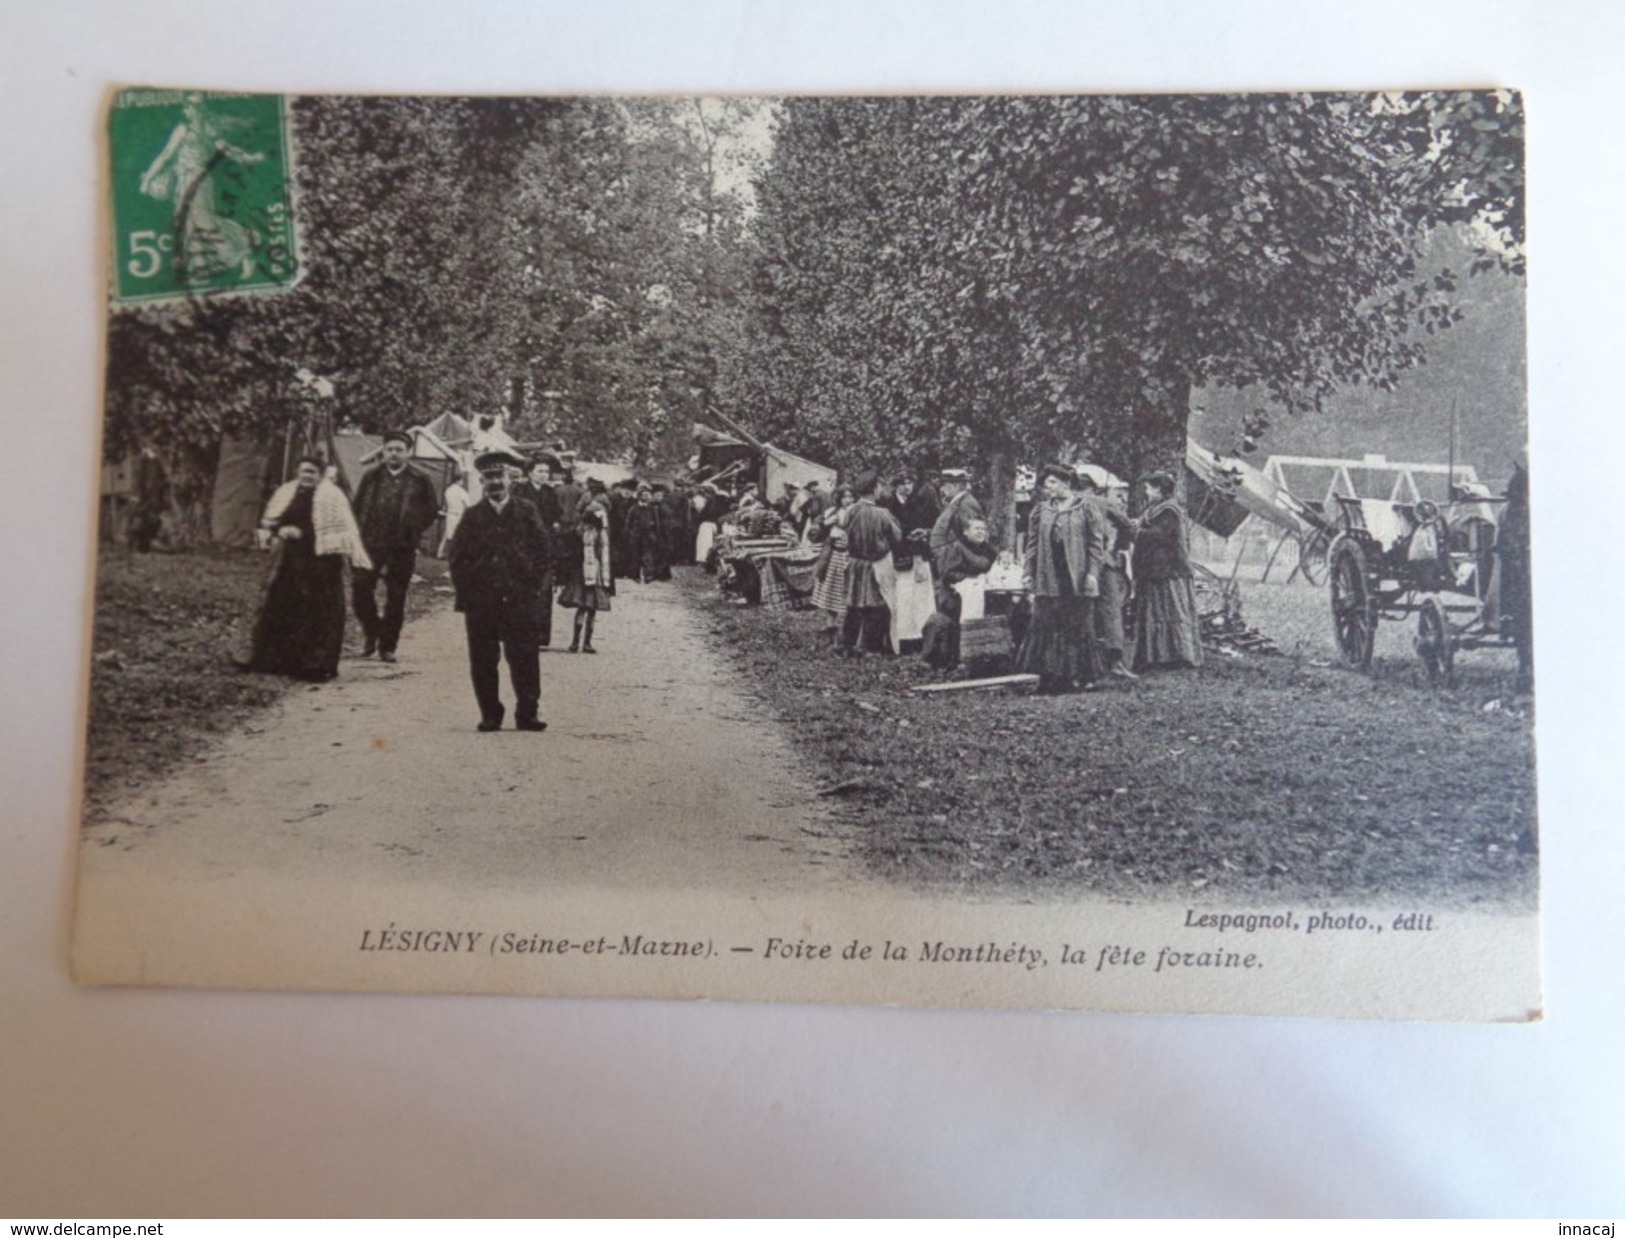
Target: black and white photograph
{"points": [[1155, 824], [1037, 551]]}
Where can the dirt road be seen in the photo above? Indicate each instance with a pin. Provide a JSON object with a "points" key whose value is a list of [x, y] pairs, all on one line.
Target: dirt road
{"points": [[656, 772]]}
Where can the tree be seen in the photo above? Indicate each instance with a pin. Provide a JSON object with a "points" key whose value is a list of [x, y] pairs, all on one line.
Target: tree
{"points": [[633, 275], [1051, 274], [462, 255]]}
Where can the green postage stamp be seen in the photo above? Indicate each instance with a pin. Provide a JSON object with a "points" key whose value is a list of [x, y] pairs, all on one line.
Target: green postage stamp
{"points": [[201, 194]]}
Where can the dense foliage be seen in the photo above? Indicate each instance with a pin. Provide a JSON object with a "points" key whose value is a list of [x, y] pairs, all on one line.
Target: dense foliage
{"points": [[572, 263], [967, 278], [919, 280]]}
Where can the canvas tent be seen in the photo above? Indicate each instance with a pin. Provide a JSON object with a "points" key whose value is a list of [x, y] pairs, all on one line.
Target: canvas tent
{"points": [[458, 434], [249, 468], [351, 452], [452, 430], [771, 468], [605, 471], [247, 472]]}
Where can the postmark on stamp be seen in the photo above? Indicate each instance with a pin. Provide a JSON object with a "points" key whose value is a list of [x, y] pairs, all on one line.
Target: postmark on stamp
{"points": [[202, 196]]}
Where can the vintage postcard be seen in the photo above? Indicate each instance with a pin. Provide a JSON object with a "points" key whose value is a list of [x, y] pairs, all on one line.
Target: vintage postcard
{"points": [[1055, 552]]}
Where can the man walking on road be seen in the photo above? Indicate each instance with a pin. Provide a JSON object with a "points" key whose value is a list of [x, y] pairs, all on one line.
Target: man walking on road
{"points": [[498, 559], [394, 504]]}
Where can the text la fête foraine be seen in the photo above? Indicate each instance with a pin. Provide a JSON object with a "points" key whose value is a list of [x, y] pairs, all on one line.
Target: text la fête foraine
{"points": [[396, 939]]}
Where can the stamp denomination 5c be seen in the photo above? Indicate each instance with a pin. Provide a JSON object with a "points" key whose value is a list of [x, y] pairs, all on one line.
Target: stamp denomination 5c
{"points": [[201, 194]]}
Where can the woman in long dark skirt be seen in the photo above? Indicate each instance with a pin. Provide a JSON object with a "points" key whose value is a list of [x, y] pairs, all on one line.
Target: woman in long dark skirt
{"points": [[299, 628], [567, 546], [1066, 548], [592, 586], [1167, 630]]}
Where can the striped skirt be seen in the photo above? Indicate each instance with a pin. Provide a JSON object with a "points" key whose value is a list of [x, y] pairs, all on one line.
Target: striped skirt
{"points": [[830, 593]]}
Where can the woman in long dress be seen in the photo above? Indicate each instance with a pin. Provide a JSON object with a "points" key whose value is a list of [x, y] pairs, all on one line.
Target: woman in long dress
{"points": [[592, 584], [299, 627], [1066, 549], [708, 510], [829, 594], [1167, 631]]}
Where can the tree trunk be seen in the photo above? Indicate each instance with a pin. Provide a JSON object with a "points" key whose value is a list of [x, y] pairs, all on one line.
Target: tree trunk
{"points": [[1001, 503], [1156, 439]]}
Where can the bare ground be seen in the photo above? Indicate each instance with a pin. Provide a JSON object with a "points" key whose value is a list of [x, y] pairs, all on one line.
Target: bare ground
{"points": [[657, 771], [1255, 778]]}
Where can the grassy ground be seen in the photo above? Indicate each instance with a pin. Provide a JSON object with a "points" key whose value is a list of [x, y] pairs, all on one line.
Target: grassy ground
{"points": [[161, 680], [1256, 778]]}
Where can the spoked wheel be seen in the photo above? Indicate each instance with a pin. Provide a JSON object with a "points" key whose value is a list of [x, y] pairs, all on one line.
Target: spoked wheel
{"points": [[1354, 618], [1434, 644], [1218, 599], [1312, 556]]}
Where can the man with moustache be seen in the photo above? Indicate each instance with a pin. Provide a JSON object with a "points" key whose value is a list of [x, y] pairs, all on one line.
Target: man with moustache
{"points": [[959, 510], [499, 558], [394, 504]]}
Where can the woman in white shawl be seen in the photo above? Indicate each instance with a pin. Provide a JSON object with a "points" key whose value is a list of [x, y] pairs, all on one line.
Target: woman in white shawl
{"points": [[299, 627]]}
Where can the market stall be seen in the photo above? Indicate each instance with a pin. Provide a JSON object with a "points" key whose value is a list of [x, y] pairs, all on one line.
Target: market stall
{"points": [[776, 572]]}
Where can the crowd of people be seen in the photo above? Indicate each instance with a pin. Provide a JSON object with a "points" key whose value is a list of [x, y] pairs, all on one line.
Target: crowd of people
{"points": [[1085, 557], [531, 539], [1089, 575], [525, 542]]}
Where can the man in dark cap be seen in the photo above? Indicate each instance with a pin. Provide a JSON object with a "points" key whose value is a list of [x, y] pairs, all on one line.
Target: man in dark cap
{"points": [[499, 558], [571, 495], [811, 515], [619, 500], [674, 511], [959, 508], [917, 505], [394, 504]]}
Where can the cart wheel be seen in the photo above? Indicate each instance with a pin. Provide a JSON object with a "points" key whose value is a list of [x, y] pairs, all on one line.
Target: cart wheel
{"points": [[1312, 556], [1354, 618], [1434, 643]]}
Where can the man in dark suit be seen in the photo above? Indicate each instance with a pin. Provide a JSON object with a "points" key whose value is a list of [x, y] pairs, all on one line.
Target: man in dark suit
{"points": [[536, 488], [959, 509], [394, 504], [498, 559]]}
